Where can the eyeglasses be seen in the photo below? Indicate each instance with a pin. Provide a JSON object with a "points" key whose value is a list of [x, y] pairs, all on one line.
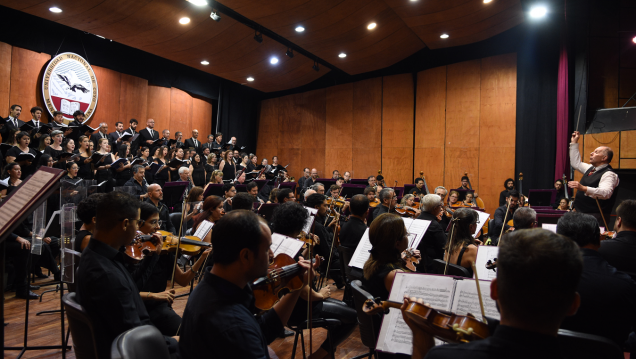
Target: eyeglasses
{"points": [[155, 222]]}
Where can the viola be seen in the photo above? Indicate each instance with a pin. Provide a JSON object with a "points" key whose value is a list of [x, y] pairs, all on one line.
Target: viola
{"points": [[337, 202], [608, 235], [443, 325], [283, 276]]}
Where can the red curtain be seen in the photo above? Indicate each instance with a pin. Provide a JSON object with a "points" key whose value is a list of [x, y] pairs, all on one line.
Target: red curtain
{"points": [[563, 112]]}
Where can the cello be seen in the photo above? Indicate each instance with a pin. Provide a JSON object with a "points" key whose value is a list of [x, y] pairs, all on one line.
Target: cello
{"points": [[476, 200]]}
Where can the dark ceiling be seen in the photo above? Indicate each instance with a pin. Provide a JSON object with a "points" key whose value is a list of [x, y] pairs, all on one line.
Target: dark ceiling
{"points": [[331, 27]]}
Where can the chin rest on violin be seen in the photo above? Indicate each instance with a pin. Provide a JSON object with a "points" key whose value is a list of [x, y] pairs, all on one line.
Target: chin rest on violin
{"points": [[449, 327]]}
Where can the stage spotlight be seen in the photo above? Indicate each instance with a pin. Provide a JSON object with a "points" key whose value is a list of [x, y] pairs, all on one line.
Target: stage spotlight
{"points": [[290, 53], [634, 40], [342, 55], [205, 62], [315, 67], [258, 37], [371, 26], [215, 16], [538, 12]]}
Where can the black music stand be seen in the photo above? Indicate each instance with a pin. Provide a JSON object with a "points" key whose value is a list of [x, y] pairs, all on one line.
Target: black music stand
{"points": [[360, 181], [267, 211], [541, 197], [350, 190], [290, 185], [240, 188], [327, 182], [173, 193], [214, 190]]}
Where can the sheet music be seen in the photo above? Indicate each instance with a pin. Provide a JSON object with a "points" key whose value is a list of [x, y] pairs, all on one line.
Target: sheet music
{"points": [[204, 228], [416, 228], [310, 219], [361, 253], [549, 226], [466, 301], [23, 195], [483, 219], [484, 254], [284, 244]]}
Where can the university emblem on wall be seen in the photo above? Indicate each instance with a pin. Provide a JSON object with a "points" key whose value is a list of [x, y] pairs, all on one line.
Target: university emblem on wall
{"points": [[69, 85]]}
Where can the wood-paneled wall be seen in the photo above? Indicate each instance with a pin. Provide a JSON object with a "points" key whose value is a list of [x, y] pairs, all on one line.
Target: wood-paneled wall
{"points": [[121, 96], [457, 118]]}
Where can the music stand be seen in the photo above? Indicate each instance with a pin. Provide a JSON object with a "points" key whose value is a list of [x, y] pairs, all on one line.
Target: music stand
{"points": [[290, 185], [240, 188], [541, 197], [327, 182], [350, 190], [360, 181], [408, 188], [214, 190], [173, 192], [267, 211], [261, 184]]}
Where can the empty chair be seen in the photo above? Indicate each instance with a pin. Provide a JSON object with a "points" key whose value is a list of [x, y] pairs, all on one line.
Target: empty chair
{"points": [[81, 328], [369, 324], [142, 342]]}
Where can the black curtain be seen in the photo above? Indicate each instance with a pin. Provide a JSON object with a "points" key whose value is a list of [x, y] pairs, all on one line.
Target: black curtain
{"points": [[237, 114], [537, 70]]}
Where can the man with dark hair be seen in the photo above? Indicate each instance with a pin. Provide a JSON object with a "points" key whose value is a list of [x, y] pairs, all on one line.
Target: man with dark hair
{"points": [[465, 183], [388, 201], [242, 200], [534, 294], [219, 320], [218, 141], [524, 218], [87, 213], [209, 145], [347, 177], [302, 181], [229, 192], [289, 219], [132, 129], [371, 181], [115, 137], [155, 196], [432, 244], [78, 118], [601, 286], [560, 193], [354, 228], [620, 251], [252, 189], [12, 122], [509, 185], [597, 187], [419, 189], [319, 202], [285, 195], [138, 182], [500, 215], [335, 174], [105, 288], [36, 116]]}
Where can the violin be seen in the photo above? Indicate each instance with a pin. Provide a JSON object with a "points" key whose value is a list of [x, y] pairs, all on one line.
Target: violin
{"points": [[410, 260], [337, 202], [443, 325], [283, 276], [190, 245], [375, 203], [141, 246], [608, 235], [406, 211]]}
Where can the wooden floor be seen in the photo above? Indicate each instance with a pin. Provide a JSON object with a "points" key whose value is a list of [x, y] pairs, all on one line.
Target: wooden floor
{"points": [[45, 329]]}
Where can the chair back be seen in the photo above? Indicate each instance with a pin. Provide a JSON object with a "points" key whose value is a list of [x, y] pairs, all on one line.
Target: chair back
{"points": [[81, 328], [175, 218], [368, 324], [141, 342], [584, 346], [453, 269], [345, 257], [491, 229]]}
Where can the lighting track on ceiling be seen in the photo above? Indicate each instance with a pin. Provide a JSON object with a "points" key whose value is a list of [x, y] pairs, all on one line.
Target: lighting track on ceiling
{"points": [[274, 36]]}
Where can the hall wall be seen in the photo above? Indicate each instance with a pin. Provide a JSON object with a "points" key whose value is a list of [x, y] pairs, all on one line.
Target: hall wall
{"points": [[443, 121]]}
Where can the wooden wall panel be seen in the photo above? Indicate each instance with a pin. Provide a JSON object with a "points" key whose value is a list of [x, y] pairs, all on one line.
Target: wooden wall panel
{"points": [[289, 121], [201, 118], [180, 113], [268, 126], [109, 85], [611, 139], [312, 158], [5, 78], [462, 123], [430, 126], [339, 129], [313, 121], [628, 144], [366, 162], [628, 163], [158, 109], [397, 128], [291, 156], [133, 102], [26, 80], [366, 155]]}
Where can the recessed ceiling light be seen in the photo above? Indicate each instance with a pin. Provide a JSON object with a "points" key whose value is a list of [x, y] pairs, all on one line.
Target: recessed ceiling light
{"points": [[634, 40], [342, 55], [300, 29], [538, 11], [184, 20], [273, 60], [250, 79], [204, 62], [55, 9], [487, 1], [372, 26], [413, 0], [444, 36], [198, 2]]}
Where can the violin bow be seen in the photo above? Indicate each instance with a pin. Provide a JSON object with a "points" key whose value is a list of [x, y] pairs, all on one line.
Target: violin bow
{"points": [[504, 223], [602, 215], [481, 301], [309, 286], [176, 255], [450, 242]]}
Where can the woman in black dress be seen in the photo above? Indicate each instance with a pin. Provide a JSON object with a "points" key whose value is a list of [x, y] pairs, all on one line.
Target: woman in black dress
{"points": [[198, 171], [245, 160], [123, 173], [45, 141], [144, 154], [210, 166], [23, 141], [174, 171], [252, 166], [102, 168], [84, 162], [228, 167], [161, 176], [55, 148]]}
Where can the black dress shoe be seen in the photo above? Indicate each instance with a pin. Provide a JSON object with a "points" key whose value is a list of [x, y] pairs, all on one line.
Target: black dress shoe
{"points": [[34, 287], [26, 295], [286, 333]]}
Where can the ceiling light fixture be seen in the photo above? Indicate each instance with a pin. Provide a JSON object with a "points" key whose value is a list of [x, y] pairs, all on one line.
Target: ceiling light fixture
{"points": [[198, 2], [55, 9], [273, 60], [444, 36], [300, 28], [538, 12], [634, 40], [204, 62], [184, 20], [290, 53], [216, 17], [372, 26], [258, 37], [250, 79], [315, 67], [487, 1], [342, 55]]}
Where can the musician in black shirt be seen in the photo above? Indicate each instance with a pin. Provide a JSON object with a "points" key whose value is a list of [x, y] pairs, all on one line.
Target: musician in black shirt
{"points": [[419, 189], [352, 230], [219, 320]]}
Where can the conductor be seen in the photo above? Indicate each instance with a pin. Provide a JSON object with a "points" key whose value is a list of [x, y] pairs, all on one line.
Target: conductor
{"points": [[596, 191]]}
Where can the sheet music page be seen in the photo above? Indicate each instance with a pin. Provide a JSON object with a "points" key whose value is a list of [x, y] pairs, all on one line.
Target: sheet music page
{"points": [[395, 336], [416, 229], [484, 254], [310, 219], [284, 244], [549, 226], [466, 300], [23, 195], [361, 253], [483, 219], [203, 229]]}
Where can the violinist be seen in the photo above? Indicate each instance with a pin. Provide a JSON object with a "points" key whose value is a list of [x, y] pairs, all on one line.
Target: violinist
{"points": [[212, 212], [468, 201], [152, 288], [340, 181], [509, 185], [138, 182], [388, 201], [242, 201], [533, 293], [334, 191], [564, 205], [370, 193], [442, 192], [105, 288], [463, 248], [353, 230], [432, 244], [324, 230], [408, 202], [155, 196], [419, 189], [219, 320], [500, 214], [289, 220], [87, 212], [620, 251], [453, 199], [601, 285]]}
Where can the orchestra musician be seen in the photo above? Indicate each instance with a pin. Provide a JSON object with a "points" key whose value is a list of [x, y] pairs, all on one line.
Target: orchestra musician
{"points": [[302, 181], [465, 181], [388, 201], [219, 319], [463, 248], [468, 201], [620, 251], [325, 234], [212, 212], [432, 244], [442, 192], [597, 186], [564, 205], [419, 189], [87, 213], [353, 230], [524, 218], [370, 193], [155, 196], [347, 177], [560, 192], [371, 181], [335, 174], [500, 214], [509, 185]]}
